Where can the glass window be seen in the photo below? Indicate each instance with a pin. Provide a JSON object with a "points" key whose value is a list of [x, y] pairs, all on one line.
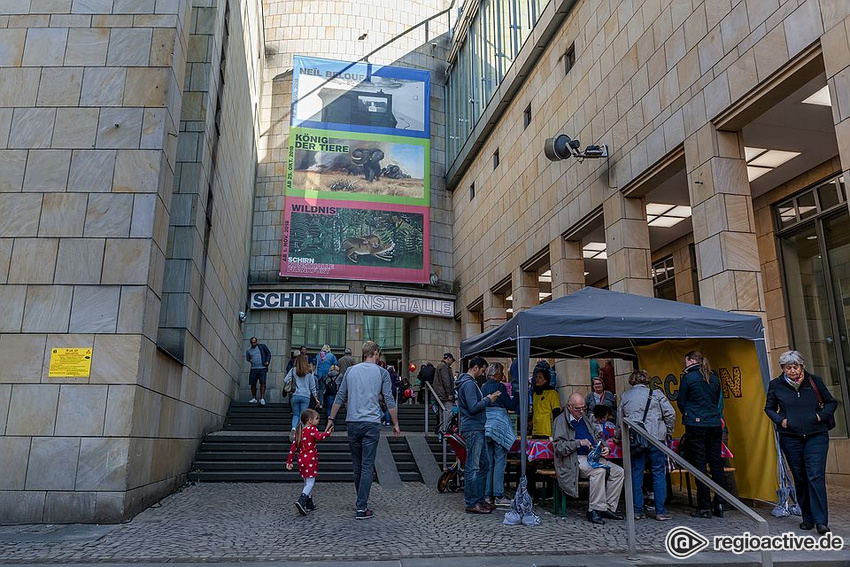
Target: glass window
{"points": [[317, 329], [663, 279], [388, 332]]}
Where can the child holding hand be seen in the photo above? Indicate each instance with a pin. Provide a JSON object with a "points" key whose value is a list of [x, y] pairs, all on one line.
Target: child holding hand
{"points": [[306, 436]]}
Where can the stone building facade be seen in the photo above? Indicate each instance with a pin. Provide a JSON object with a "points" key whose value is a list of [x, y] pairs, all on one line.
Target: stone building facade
{"points": [[141, 154], [142, 171], [727, 129]]}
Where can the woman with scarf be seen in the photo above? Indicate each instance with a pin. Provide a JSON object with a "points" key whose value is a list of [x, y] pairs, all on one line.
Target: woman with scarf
{"points": [[498, 433], [803, 409]]}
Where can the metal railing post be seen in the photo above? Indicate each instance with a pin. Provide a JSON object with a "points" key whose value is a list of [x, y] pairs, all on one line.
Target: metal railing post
{"points": [[425, 398], [626, 425]]}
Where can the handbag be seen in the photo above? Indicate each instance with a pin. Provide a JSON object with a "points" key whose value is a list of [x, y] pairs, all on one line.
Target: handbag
{"points": [[638, 444], [289, 387], [830, 421]]}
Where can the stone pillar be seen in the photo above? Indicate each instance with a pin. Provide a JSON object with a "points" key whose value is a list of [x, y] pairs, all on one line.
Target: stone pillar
{"points": [[835, 44], [567, 265], [494, 313], [470, 322], [524, 289], [723, 221], [354, 332], [627, 242], [683, 275]]}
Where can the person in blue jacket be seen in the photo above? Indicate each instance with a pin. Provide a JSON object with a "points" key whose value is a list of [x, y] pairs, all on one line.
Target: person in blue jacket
{"points": [[499, 434], [473, 418], [700, 402]]}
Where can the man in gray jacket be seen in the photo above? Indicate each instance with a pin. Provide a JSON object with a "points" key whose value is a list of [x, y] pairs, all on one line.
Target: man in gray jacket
{"points": [[574, 436], [361, 388]]}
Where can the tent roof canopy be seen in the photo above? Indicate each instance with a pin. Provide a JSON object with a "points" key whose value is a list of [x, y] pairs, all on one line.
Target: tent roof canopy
{"points": [[599, 323]]}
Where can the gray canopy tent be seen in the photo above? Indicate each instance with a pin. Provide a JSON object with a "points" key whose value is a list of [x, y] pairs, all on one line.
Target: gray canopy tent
{"points": [[597, 323]]}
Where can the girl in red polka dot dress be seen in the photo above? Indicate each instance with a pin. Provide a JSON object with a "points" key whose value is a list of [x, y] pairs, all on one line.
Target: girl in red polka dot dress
{"points": [[306, 436]]}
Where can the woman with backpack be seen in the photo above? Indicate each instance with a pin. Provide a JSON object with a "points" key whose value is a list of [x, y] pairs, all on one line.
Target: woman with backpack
{"points": [[303, 391]]}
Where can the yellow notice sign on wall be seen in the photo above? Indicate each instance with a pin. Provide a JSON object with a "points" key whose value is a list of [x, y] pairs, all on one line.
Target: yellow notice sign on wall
{"points": [[70, 362]]}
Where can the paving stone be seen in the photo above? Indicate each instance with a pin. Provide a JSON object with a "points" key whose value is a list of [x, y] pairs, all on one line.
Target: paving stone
{"points": [[224, 522]]}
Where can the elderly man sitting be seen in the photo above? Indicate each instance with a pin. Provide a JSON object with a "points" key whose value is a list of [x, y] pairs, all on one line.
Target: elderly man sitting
{"points": [[574, 438]]}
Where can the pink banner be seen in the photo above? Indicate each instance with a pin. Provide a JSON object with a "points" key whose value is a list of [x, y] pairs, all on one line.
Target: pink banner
{"points": [[355, 241]]}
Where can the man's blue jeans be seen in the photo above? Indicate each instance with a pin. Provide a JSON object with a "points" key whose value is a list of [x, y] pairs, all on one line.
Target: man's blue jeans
{"points": [[363, 442], [475, 473], [497, 457], [658, 465]]}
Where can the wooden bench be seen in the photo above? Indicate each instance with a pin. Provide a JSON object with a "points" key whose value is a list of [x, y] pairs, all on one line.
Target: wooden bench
{"points": [[685, 478]]}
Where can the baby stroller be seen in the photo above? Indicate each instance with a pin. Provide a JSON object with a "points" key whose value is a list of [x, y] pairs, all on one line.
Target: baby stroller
{"points": [[452, 478]]}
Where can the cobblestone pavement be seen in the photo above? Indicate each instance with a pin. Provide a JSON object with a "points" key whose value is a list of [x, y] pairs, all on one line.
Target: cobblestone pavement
{"points": [[258, 522]]}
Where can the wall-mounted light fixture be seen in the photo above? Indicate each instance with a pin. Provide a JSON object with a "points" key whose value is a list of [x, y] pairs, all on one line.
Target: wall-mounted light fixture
{"points": [[563, 147]]}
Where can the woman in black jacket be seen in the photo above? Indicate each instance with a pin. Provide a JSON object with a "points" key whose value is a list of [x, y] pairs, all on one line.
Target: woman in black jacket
{"points": [[700, 401], [802, 409]]}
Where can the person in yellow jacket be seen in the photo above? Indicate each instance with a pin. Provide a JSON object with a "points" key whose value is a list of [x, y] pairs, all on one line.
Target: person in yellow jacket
{"points": [[543, 401]]}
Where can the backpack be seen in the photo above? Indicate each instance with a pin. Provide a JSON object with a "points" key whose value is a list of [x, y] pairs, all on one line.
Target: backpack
{"points": [[330, 385]]}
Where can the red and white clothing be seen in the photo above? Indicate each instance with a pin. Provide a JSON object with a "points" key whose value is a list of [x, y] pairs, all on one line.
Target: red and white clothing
{"points": [[308, 455]]}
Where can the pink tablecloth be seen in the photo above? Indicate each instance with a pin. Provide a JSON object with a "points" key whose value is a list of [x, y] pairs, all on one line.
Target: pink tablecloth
{"points": [[724, 450], [542, 449]]}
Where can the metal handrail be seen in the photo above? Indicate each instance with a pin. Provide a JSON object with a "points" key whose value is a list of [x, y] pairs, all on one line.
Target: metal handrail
{"points": [[627, 423], [443, 408]]}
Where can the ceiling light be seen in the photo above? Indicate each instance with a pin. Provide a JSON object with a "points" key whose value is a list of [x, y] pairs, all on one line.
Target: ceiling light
{"points": [[752, 153], [657, 208], [587, 273], [754, 173], [665, 222], [595, 246], [542, 295], [509, 298], [773, 158], [661, 215], [545, 276], [820, 98]]}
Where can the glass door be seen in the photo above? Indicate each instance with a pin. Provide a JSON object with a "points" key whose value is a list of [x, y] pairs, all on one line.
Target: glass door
{"points": [[837, 237]]}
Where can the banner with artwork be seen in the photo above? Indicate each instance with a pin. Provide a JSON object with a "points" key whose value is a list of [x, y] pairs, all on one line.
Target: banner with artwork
{"points": [[359, 167], [347, 240], [358, 188], [360, 97]]}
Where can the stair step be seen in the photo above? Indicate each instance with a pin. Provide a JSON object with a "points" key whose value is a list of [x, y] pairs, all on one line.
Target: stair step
{"points": [[279, 456], [262, 466], [258, 476]]}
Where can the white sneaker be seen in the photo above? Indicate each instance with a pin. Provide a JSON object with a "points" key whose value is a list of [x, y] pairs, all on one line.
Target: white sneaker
{"points": [[252, 401], [262, 401]]}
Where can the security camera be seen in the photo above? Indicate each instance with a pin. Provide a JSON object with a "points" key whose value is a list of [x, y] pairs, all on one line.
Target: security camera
{"points": [[243, 316]]}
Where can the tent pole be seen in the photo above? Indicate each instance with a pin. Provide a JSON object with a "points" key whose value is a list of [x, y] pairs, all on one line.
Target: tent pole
{"points": [[523, 348]]}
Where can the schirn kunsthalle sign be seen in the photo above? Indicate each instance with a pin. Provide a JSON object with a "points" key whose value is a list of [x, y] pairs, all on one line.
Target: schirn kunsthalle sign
{"points": [[322, 301]]}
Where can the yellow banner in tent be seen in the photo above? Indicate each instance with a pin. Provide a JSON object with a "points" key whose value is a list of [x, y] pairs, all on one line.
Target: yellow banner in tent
{"points": [[751, 438]]}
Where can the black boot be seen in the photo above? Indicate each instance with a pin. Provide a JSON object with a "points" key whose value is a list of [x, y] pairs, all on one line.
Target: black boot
{"points": [[302, 505], [717, 511], [310, 506]]}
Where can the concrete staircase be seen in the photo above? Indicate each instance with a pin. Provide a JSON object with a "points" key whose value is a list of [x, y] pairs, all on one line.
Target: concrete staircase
{"points": [[254, 443]]}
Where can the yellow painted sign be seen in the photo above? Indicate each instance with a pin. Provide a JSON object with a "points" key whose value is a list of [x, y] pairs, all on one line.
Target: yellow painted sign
{"points": [[70, 362], [750, 430]]}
